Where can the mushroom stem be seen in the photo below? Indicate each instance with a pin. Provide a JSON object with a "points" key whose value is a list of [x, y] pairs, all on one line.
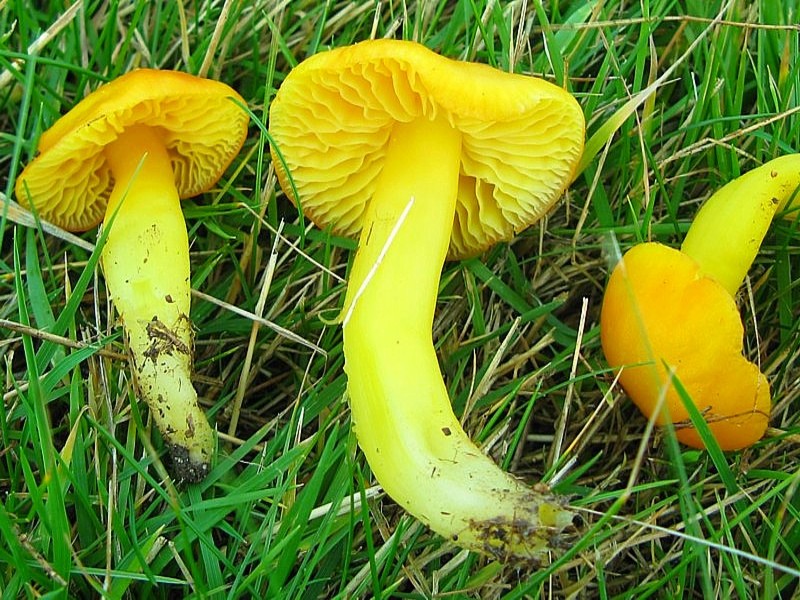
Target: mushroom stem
{"points": [[727, 231], [146, 267], [403, 419]]}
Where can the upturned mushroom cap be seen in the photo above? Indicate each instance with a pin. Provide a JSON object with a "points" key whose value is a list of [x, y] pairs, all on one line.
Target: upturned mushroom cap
{"points": [[201, 124], [660, 312], [331, 120]]}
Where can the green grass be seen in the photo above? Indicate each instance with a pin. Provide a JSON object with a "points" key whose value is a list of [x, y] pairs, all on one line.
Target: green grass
{"points": [[290, 509]]}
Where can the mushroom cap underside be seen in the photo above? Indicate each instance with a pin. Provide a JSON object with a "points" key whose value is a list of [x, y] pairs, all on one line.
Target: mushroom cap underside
{"points": [[661, 315], [332, 117], [202, 123]]}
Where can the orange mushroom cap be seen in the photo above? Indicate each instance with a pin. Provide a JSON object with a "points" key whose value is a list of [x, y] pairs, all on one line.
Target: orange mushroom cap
{"points": [[662, 318], [200, 126]]}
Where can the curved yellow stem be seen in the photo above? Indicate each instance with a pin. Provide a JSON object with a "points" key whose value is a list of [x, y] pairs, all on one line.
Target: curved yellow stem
{"points": [[727, 231], [403, 419], [146, 267]]}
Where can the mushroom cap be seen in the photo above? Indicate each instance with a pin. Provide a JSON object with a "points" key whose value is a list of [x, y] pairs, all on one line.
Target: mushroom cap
{"points": [[203, 129], [660, 312], [331, 120]]}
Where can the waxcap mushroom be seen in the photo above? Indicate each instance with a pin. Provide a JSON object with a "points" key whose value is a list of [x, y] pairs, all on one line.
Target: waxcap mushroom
{"points": [[663, 318], [521, 136], [424, 156], [198, 119], [127, 154], [672, 314]]}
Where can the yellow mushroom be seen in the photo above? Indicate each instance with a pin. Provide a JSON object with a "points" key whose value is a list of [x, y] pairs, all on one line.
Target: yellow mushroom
{"points": [[422, 157], [128, 153], [661, 314], [672, 314]]}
